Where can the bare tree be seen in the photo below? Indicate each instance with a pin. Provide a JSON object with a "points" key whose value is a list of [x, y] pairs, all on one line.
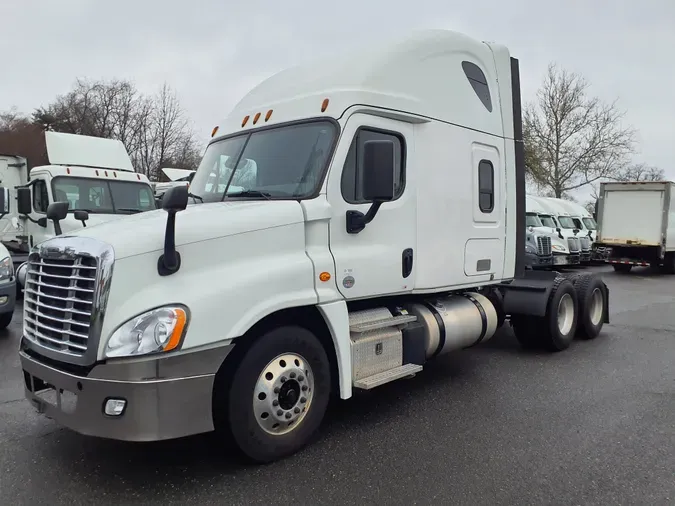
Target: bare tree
{"points": [[154, 129], [573, 140]]}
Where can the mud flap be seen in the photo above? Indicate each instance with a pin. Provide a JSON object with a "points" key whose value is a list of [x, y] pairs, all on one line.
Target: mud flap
{"points": [[528, 295]]}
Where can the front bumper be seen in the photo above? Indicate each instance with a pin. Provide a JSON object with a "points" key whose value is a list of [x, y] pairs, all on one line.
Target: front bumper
{"points": [[538, 262], [8, 296], [166, 398]]}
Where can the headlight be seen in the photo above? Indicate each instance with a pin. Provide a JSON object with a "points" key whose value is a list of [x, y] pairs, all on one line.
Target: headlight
{"points": [[156, 331], [530, 248], [6, 268], [557, 247]]}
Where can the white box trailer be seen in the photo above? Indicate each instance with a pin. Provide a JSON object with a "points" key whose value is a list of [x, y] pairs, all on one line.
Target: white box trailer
{"points": [[636, 224]]}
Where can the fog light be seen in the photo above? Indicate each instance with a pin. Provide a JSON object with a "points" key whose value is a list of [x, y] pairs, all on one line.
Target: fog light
{"points": [[114, 407], [3, 300]]}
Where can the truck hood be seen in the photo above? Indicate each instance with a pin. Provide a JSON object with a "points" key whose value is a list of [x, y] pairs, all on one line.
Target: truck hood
{"points": [[144, 232], [70, 224]]}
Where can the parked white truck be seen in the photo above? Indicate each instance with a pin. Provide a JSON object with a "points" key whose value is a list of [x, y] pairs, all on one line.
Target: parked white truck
{"points": [[538, 218], [93, 175], [636, 224], [7, 276], [379, 223]]}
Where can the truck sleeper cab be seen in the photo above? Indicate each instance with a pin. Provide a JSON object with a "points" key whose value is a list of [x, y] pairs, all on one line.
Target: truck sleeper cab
{"points": [[537, 219], [349, 221], [94, 176]]}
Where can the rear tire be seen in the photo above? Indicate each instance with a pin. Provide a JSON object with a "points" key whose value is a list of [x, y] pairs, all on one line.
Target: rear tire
{"points": [[277, 396], [592, 299], [669, 263], [5, 320], [623, 268], [555, 331]]}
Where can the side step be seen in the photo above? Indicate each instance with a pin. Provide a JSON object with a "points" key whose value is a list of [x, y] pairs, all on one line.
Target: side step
{"points": [[393, 321], [381, 378]]}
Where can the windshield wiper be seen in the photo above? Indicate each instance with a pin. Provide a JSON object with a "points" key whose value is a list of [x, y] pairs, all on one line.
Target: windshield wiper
{"points": [[130, 209], [250, 193], [195, 197]]}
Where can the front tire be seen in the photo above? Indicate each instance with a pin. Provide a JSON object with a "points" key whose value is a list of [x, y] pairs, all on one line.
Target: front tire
{"points": [[5, 320], [278, 394]]}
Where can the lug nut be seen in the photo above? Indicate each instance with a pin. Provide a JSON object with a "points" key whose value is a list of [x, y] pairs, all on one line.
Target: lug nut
{"points": [[292, 375], [301, 378], [297, 410], [303, 400], [283, 379], [288, 415], [304, 388], [276, 390], [279, 413], [275, 402]]}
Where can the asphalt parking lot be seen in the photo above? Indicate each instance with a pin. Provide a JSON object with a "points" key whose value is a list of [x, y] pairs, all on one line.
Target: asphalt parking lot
{"points": [[493, 425]]}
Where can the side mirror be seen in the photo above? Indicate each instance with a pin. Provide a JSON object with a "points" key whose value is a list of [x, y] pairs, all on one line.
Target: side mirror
{"points": [[378, 164], [82, 216], [56, 212], [174, 200], [4, 200], [24, 203]]}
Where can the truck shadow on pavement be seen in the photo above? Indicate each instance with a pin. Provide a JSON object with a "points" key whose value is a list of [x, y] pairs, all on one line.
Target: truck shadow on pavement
{"points": [[194, 462]]}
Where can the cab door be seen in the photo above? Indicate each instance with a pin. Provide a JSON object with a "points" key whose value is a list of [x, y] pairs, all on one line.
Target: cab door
{"points": [[380, 258]]}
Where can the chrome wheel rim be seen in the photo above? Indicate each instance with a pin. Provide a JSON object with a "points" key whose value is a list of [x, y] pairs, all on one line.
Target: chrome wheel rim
{"points": [[565, 314], [283, 393], [597, 306]]}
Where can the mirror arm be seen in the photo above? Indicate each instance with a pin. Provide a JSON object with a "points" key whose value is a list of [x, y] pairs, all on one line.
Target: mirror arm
{"points": [[57, 228], [357, 221], [169, 261]]}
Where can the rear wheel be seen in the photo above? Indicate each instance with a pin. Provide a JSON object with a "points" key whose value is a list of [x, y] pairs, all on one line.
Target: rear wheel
{"points": [[554, 331], [277, 396], [622, 267], [592, 297], [5, 320], [669, 263]]}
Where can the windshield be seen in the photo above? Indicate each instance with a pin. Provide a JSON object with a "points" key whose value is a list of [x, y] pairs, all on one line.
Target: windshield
{"points": [[285, 162], [590, 223], [103, 195], [531, 220], [566, 222], [547, 221]]}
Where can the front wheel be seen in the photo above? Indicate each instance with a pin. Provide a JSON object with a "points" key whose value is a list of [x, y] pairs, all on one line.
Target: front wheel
{"points": [[278, 394], [5, 320]]}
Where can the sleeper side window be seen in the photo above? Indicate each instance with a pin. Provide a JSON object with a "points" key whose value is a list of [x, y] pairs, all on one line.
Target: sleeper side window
{"points": [[486, 186]]}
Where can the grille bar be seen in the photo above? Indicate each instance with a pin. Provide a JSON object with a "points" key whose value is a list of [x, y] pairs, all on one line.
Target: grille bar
{"points": [[543, 246], [59, 301]]}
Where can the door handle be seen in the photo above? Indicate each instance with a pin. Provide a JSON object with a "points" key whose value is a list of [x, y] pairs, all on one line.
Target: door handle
{"points": [[407, 262]]}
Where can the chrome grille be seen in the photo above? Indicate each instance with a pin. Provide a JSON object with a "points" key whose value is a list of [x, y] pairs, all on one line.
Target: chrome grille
{"points": [[58, 302], [543, 246], [585, 243], [573, 244]]}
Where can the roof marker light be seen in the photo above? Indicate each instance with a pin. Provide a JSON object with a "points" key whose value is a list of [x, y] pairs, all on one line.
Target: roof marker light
{"points": [[243, 123], [324, 105], [214, 131], [268, 115], [256, 118]]}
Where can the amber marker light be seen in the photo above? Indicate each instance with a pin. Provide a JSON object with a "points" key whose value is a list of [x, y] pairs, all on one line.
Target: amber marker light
{"points": [[324, 276], [324, 105], [177, 333]]}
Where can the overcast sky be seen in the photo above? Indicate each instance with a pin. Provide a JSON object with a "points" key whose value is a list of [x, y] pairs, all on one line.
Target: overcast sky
{"points": [[212, 51]]}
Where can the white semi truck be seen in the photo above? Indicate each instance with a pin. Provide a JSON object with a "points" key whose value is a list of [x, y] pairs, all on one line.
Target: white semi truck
{"points": [[93, 175], [7, 275], [636, 224], [379, 223], [538, 218]]}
